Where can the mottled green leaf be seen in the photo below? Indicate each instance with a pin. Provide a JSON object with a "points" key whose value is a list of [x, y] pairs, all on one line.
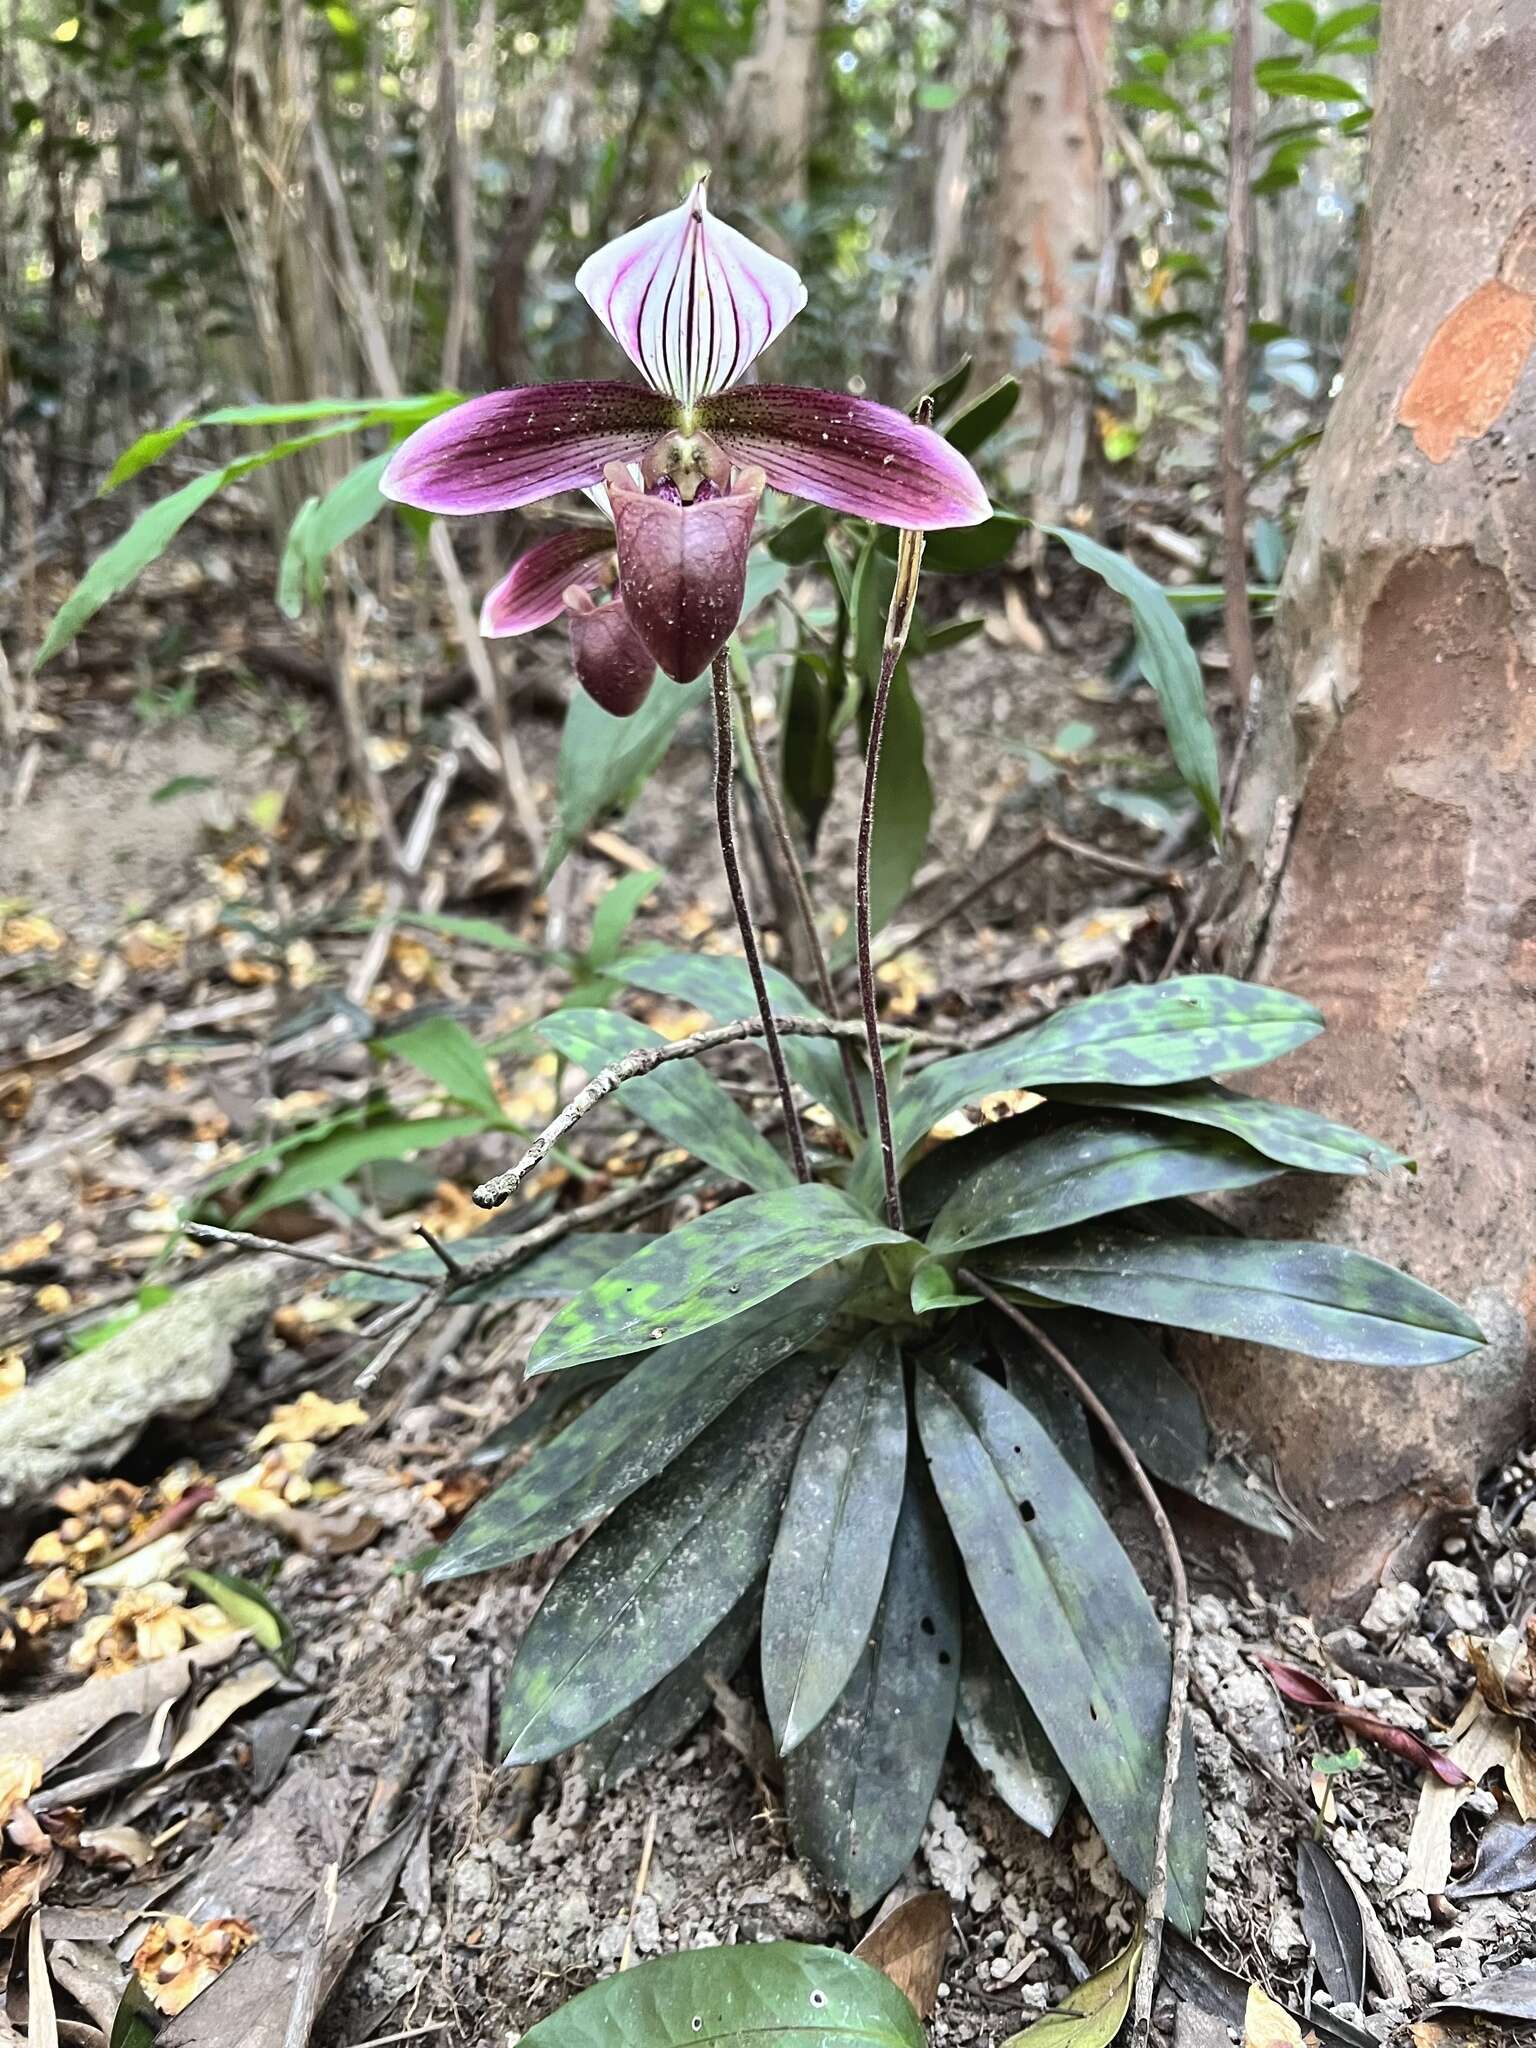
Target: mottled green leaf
{"points": [[999, 1728], [719, 984], [807, 758], [635, 1429], [1168, 663], [776, 1994], [561, 1269], [667, 1566], [859, 1787], [1314, 1298], [834, 1540], [1140, 1036], [661, 1718], [1067, 1175], [539, 1417], [680, 1100], [708, 1271], [1070, 1617], [1294, 1137]]}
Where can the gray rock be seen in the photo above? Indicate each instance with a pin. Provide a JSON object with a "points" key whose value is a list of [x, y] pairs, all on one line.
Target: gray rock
{"points": [[173, 1360]]}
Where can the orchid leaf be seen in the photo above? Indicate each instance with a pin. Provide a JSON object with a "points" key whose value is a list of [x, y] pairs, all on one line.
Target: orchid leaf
{"points": [[807, 758], [665, 1568], [859, 1787], [679, 1100], [635, 1429], [332, 1159], [1319, 1299], [1282, 1132], [999, 1727], [829, 1559], [983, 417], [1082, 1170], [903, 802], [661, 1718], [1068, 1614], [706, 1272], [443, 1050], [776, 1994], [1169, 664], [538, 1419], [1140, 1036], [615, 913]]}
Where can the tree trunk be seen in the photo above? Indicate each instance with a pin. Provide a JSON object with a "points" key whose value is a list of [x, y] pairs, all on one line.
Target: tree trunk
{"points": [[774, 98], [1386, 833], [1051, 218]]}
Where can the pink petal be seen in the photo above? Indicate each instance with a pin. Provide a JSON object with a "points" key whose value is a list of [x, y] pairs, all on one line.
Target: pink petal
{"points": [[613, 664], [691, 302], [683, 569], [533, 590], [848, 454], [513, 447]]}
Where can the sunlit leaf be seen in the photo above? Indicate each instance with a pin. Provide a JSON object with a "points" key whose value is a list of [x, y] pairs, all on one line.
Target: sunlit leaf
{"points": [[443, 1050]]}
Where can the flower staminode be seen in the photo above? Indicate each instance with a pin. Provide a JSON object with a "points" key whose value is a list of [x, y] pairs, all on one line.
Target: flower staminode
{"points": [[684, 456]]}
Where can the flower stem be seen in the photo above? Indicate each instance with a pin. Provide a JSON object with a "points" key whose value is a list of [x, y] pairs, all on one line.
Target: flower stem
{"points": [[773, 804], [725, 763], [909, 560]]}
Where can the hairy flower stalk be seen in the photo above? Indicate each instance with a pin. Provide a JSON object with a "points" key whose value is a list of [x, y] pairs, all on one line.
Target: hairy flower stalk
{"points": [[898, 620], [725, 767]]}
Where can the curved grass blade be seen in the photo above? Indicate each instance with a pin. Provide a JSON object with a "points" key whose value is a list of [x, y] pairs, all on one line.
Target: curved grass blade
{"points": [[1070, 1617], [635, 1429], [998, 1726], [1081, 1170], [667, 1566], [775, 1994], [834, 1541], [1138, 1037], [679, 1100], [859, 1787], [706, 1272], [1281, 1131], [719, 984], [1318, 1299], [672, 1710]]}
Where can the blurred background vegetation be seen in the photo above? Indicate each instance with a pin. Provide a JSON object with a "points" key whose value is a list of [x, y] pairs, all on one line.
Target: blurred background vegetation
{"points": [[211, 202]]}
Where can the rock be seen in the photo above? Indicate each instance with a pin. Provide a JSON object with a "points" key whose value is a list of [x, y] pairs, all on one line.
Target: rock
{"points": [[173, 1360], [1392, 1610]]}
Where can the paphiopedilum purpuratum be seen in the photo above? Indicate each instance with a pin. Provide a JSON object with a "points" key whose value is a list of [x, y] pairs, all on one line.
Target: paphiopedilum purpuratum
{"points": [[683, 458]]}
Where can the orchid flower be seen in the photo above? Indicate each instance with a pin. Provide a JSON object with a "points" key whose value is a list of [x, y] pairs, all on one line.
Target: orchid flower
{"points": [[684, 457]]}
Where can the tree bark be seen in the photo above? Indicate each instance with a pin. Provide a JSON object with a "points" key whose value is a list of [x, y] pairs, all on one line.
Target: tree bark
{"points": [[774, 100], [1385, 833], [1050, 214]]}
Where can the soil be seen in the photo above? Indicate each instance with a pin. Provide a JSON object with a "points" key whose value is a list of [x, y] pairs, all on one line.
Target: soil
{"points": [[527, 1885]]}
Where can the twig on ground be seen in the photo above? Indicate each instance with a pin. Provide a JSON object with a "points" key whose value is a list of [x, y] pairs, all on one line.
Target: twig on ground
{"points": [[309, 1984], [1183, 1631], [416, 1314], [642, 1877], [492, 1192], [334, 1262]]}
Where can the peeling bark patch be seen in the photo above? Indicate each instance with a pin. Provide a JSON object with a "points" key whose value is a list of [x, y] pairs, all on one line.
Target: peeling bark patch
{"points": [[1469, 371]]}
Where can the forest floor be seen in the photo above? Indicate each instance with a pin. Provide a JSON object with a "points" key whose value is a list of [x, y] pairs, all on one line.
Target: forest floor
{"points": [[189, 963]]}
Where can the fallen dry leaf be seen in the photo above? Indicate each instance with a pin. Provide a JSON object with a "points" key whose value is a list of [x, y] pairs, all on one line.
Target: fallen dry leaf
{"points": [[177, 1958], [146, 1624], [1481, 1741], [53, 1728], [1092, 2013], [908, 1947], [1304, 1689], [20, 1777], [311, 1419], [1267, 2025], [13, 1374], [23, 1884], [1506, 1669]]}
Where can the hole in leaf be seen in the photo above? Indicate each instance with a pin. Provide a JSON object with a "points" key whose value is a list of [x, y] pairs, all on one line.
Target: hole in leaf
{"points": [[698, 2024], [926, 1625], [1027, 1510], [944, 1657], [818, 1998], [1093, 1712]]}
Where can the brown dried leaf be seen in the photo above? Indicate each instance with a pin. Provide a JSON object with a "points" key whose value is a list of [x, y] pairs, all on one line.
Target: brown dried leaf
{"points": [[1506, 1669], [1267, 2025], [908, 1946], [311, 1419], [177, 1958]]}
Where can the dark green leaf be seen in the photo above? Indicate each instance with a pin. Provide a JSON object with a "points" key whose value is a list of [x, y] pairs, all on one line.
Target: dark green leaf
{"points": [[776, 1994], [635, 1429], [560, 1269], [998, 1726], [707, 1272], [1141, 92], [604, 761], [799, 538], [808, 762], [1070, 1617], [1168, 663], [329, 1161], [1314, 1298], [137, 2019], [830, 1555], [719, 984], [443, 1050], [1285, 82], [248, 1608], [859, 1788], [903, 803], [323, 525], [614, 915], [1133, 1037], [538, 1418], [1332, 1922], [1081, 1170], [661, 1718], [982, 418], [1292, 1136], [680, 1100], [951, 387], [667, 1566], [965, 550]]}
